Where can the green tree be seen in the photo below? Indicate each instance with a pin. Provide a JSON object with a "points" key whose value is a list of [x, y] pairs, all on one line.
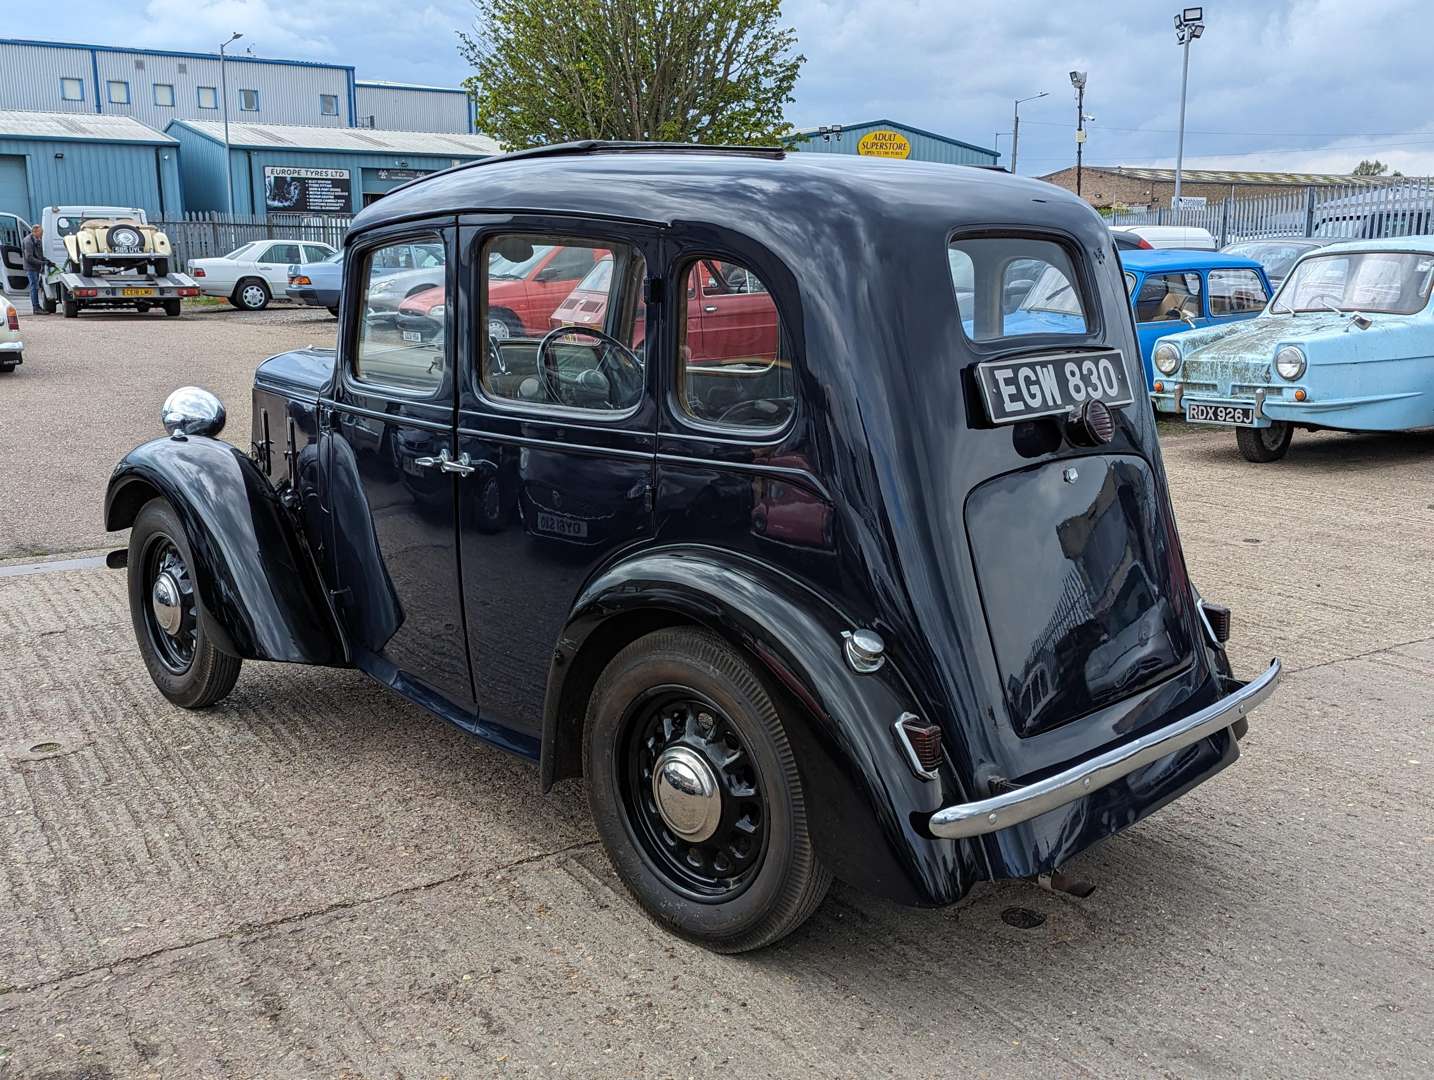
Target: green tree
{"points": [[1370, 168], [707, 71]]}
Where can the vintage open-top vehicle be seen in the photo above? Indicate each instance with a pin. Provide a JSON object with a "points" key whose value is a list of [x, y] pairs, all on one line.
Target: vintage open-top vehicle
{"points": [[1346, 344], [893, 594]]}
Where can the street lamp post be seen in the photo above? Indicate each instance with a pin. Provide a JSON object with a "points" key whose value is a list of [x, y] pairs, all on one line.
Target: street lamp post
{"points": [[1078, 81], [1016, 126], [224, 91], [1189, 25]]}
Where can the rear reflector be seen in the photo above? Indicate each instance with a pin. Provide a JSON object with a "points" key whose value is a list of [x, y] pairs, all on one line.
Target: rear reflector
{"points": [[922, 743], [1217, 618]]}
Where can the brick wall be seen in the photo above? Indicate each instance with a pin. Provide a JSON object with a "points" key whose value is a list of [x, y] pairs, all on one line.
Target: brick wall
{"points": [[1104, 189]]}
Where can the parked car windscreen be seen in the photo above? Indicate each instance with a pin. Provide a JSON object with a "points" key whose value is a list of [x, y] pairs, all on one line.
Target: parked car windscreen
{"points": [[1394, 282], [1276, 256], [1015, 286]]}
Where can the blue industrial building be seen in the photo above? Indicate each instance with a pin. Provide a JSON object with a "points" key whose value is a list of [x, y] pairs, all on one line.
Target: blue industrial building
{"points": [[307, 170], [55, 159], [887, 138]]}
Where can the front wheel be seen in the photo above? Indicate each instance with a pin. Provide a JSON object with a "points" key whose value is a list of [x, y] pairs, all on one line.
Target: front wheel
{"points": [[1264, 444], [695, 792], [184, 664]]}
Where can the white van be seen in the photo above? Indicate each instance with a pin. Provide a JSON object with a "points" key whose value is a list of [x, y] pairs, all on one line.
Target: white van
{"points": [[1190, 237]]}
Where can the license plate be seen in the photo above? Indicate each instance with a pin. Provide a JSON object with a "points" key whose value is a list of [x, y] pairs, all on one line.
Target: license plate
{"points": [[412, 335], [137, 292], [1051, 385], [1244, 415], [562, 526]]}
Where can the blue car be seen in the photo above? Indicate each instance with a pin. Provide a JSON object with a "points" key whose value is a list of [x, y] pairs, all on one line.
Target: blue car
{"points": [[1346, 344], [318, 284], [1174, 290]]}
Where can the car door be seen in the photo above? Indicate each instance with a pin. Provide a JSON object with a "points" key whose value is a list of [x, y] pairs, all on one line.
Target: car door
{"points": [[273, 262], [393, 491], [1160, 301], [14, 282], [562, 458]]}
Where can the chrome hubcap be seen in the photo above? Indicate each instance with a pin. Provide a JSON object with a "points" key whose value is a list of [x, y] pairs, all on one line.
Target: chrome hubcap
{"points": [[684, 786], [167, 603]]}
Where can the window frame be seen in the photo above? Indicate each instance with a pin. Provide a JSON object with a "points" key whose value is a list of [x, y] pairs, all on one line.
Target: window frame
{"points": [[110, 85], [324, 99], [554, 230], [356, 266], [1096, 331], [677, 408], [163, 104], [66, 80], [242, 92], [199, 97]]}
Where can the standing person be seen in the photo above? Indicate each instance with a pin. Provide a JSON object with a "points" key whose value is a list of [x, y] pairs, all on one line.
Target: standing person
{"points": [[32, 253]]}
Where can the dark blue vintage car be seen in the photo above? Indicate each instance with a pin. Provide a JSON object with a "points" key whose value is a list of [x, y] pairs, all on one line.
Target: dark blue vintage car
{"points": [[863, 568]]}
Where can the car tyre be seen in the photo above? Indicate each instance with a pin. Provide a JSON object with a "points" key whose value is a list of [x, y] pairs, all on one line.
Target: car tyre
{"points": [[6, 367], [1261, 445], [172, 308], [161, 267], [72, 307], [48, 303], [334, 311], [750, 874], [185, 665], [503, 325], [251, 294]]}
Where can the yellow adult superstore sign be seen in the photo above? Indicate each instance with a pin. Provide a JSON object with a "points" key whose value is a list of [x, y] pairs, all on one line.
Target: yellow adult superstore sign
{"points": [[884, 144]]}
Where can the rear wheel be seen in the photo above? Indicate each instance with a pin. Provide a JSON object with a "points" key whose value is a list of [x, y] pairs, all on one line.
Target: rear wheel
{"points": [[72, 307], [172, 308], [182, 661], [1264, 444], [251, 294], [695, 792], [334, 311]]}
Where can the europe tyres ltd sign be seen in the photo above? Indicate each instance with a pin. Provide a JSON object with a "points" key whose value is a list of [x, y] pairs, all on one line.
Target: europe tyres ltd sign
{"points": [[884, 143], [320, 191]]}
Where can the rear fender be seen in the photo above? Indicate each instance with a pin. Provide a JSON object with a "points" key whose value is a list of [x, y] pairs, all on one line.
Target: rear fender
{"points": [[862, 796], [260, 596]]}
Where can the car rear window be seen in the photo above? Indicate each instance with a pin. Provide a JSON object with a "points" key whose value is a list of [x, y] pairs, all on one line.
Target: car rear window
{"points": [[1008, 286]]}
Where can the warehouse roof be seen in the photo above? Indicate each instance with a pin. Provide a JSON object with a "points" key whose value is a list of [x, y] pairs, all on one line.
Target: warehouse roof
{"points": [[388, 84], [96, 127], [351, 140], [1238, 176], [809, 132]]}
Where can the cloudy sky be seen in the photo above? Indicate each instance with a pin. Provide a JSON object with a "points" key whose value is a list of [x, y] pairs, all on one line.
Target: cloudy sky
{"points": [[1294, 85]]}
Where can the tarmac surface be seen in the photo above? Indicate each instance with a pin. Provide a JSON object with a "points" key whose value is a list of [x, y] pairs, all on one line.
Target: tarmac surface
{"points": [[317, 879]]}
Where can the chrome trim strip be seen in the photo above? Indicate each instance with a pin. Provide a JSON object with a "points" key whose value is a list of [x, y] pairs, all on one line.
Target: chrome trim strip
{"points": [[1215, 643], [1002, 811]]}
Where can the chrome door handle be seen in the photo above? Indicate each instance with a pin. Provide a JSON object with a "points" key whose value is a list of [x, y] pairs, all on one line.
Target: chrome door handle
{"points": [[710, 308], [447, 464]]}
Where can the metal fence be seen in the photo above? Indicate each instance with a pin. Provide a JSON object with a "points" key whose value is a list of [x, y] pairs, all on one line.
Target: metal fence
{"points": [[1403, 207], [202, 235]]}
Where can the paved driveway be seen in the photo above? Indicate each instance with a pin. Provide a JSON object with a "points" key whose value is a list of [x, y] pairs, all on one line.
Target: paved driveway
{"points": [[315, 879]]}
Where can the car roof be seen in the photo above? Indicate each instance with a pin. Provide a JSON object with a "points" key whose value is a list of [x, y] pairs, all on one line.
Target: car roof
{"points": [[666, 183], [1154, 259], [1302, 241], [1421, 244], [1158, 230]]}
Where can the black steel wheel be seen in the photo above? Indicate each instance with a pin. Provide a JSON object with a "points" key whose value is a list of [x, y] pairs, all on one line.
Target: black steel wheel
{"points": [[1264, 444], [164, 608], [695, 791]]}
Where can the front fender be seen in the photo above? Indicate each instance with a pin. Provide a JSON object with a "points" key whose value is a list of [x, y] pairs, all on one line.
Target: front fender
{"points": [[259, 595], [863, 798]]}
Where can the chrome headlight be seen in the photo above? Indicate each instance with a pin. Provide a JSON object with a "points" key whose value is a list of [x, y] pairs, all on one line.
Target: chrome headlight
{"points": [[1167, 358], [192, 411], [1290, 362]]}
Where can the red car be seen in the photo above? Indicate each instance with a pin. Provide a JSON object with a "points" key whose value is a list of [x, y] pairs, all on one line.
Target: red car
{"points": [[730, 316], [522, 295]]}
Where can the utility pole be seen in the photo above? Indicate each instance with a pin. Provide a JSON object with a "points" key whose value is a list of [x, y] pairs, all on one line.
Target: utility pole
{"points": [[1016, 126], [1078, 81], [1189, 25], [224, 91]]}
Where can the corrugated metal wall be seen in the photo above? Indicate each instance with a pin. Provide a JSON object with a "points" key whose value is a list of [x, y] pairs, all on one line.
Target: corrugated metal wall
{"points": [[289, 93], [118, 174], [923, 146], [400, 108]]}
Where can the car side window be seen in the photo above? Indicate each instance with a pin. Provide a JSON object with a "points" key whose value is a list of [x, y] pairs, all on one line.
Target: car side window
{"points": [[281, 253], [596, 359], [404, 350], [1233, 292], [1166, 297], [733, 364]]}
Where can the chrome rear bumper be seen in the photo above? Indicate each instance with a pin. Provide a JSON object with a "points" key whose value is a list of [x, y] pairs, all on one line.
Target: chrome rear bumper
{"points": [[1013, 807]]}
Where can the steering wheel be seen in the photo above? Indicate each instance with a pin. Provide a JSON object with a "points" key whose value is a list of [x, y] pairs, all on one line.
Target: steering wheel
{"points": [[765, 410], [548, 367]]}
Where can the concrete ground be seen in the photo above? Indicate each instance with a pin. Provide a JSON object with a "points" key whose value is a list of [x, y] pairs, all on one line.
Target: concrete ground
{"points": [[316, 879]]}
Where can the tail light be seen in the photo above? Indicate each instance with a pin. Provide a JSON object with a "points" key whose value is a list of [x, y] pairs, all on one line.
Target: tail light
{"points": [[198, 271], [188, 292], [299, 279], [922, 743], [86, 292], [1144, 243], [12, 320], [1217, 620]]}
